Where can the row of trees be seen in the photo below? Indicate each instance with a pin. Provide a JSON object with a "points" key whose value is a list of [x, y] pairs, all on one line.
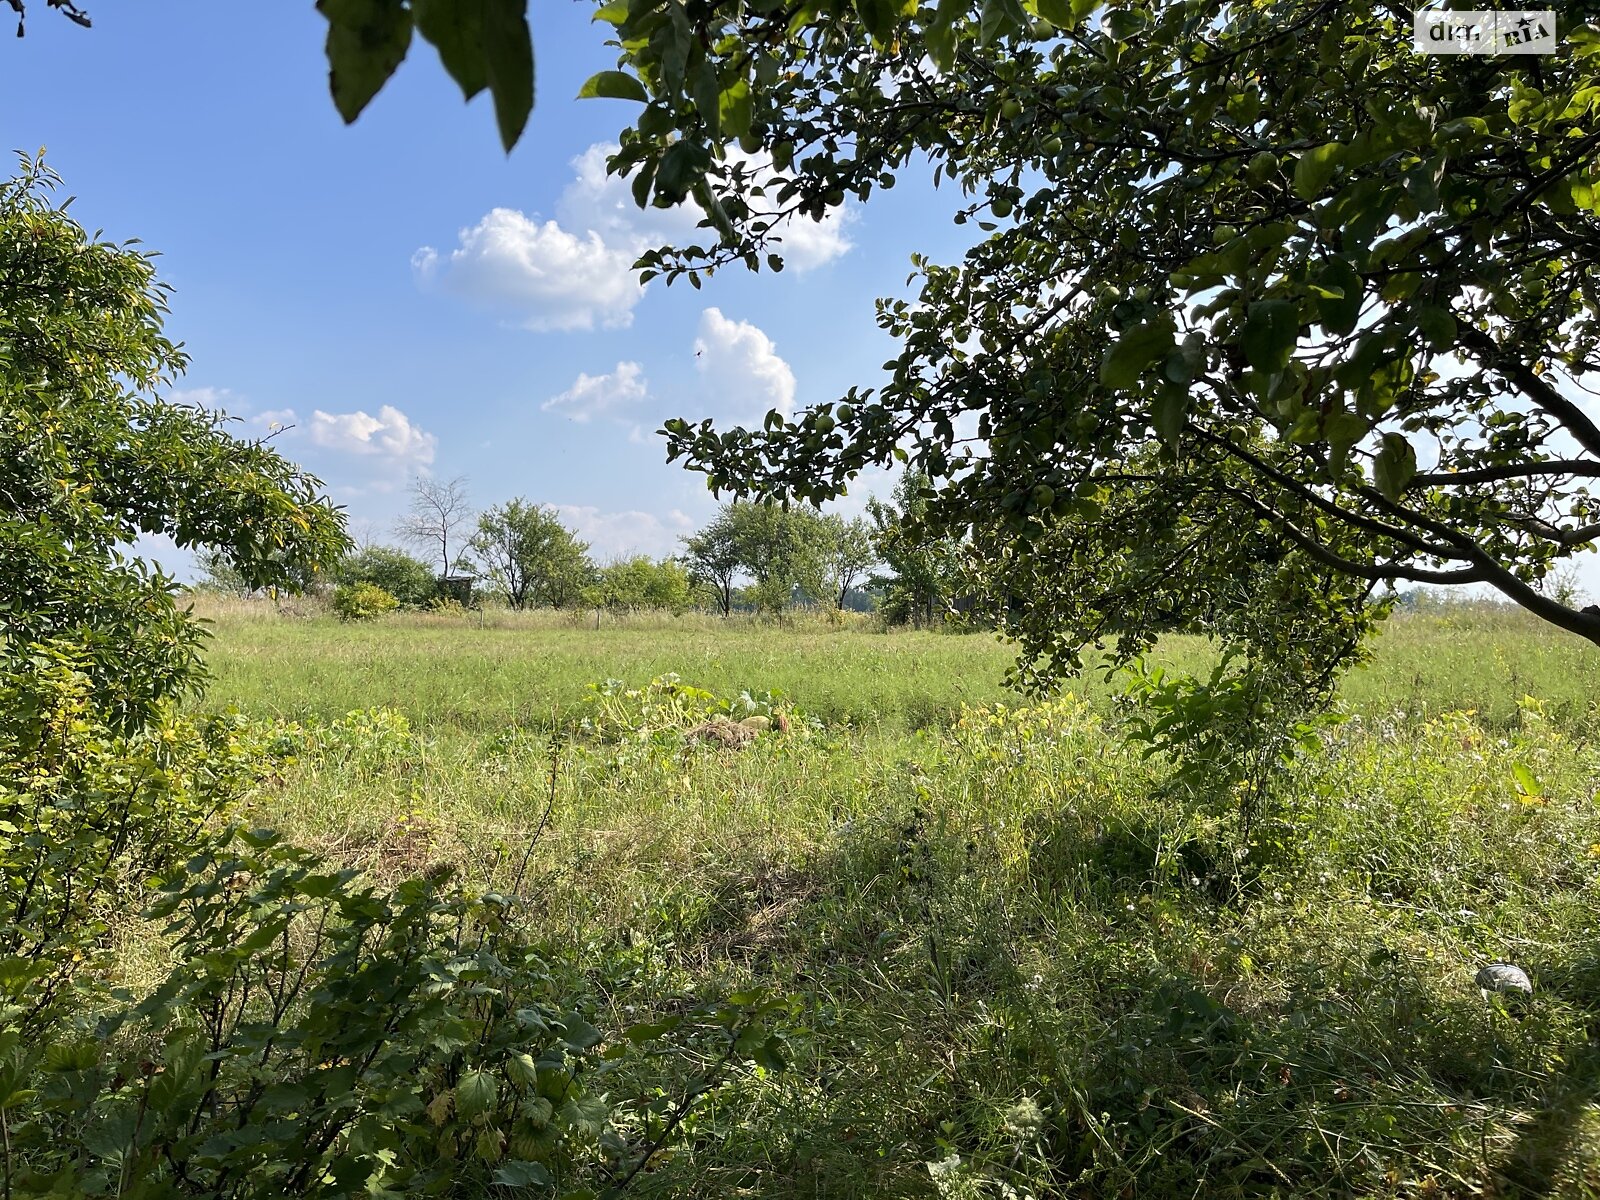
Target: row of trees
{"points": [[750, 556]]}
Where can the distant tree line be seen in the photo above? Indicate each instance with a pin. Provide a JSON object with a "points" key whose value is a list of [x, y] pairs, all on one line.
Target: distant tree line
{"points": [[750, 557]]}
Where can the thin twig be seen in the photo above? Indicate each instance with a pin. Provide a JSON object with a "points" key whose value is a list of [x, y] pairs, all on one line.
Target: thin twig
{"points": [[544, 818]]}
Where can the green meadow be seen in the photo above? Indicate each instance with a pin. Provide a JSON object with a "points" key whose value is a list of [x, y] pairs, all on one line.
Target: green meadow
{"points": [[1014, 960]]}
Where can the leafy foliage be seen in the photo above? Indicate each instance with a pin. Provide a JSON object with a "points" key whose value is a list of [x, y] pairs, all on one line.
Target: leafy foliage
{"points": [[531, 556], [87, 815], [639, 582], [848, 552], [362, 601], [922, 568], [89, 460], [318, 1038], [407, 579], [1341, 284], [774, 550]]}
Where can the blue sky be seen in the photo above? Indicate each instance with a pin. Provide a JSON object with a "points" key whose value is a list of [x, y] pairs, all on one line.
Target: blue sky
{"points": [[411, 299]]}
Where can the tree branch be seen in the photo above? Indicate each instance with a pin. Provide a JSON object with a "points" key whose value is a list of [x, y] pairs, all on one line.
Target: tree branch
{"points": [[1572, 418], [1557, 466]]}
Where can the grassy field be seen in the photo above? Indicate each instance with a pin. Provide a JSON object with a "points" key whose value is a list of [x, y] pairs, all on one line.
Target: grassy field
{"points": [[1019, 965]]}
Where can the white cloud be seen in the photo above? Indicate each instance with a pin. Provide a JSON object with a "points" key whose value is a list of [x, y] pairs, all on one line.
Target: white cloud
{"points": [[744, 376], [618, 534], [596, 395], [803, 242], [541, 274], [212, 399], [389, 434], [604, 203], [576, 272]]}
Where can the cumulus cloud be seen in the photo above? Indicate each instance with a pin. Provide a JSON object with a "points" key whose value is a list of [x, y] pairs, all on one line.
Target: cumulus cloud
{"points": [[598, 395], [619, 534], [744, 376], [541, 274], [576, 272], [390, 434], [604, 203]]}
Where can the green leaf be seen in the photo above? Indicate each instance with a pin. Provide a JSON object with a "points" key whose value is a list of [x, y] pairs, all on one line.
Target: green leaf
{"points": [[367, 40], [1315, 168], [940, 34], [769, 1054], [477, 1093], [879, 18], [586, 1114], [1188, 363], [578, 1033], [671, 43], [521, 1068], [1136, 349], [1395, 464], [508, 54], [1342, 430], [1338, 313], [518, 1174], [1168, 413], [1527, 782], [1271, 330], [455, 30], [1123, 23], [1437, 326], [682, 164], [613, 85], [1058, 12], [999, 18], [733, 107]]}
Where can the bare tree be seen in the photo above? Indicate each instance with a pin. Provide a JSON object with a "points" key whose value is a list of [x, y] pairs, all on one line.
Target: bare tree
{"points": [[439, 508]]}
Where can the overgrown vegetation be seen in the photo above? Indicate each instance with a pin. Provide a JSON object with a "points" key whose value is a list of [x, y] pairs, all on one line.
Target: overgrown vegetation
{"points": [[1017, 955], [188, 1007]]}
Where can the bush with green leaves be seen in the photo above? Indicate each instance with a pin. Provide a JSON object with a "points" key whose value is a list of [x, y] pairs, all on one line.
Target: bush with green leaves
{"points": [[362, 602], [317, 1038], [408, 579], [637, 583], [87, 815]]}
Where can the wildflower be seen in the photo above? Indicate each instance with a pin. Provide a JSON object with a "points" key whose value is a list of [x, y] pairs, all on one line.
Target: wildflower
{"points": [[1025, 1120]]}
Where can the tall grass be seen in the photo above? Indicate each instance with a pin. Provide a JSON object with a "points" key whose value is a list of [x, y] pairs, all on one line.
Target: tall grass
{"points": [[1020, 964], [488, 671]]}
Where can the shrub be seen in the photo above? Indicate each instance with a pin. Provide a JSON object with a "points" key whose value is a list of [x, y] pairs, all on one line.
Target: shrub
{"points": [[409, 580], [318, 1038], [362, 601]]}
